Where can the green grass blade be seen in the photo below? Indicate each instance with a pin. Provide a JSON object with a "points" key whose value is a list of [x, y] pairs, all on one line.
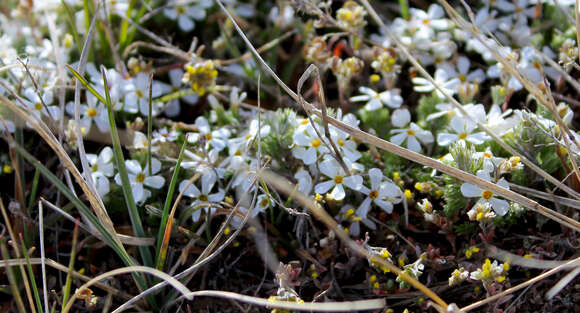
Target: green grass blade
{"points": [[86, 84], [71, 263], [125, 25], [404, 9], [126, 185], [34, 189], [166, 207], [150, 124], [11, 277], [71, 21], [31, 274]]}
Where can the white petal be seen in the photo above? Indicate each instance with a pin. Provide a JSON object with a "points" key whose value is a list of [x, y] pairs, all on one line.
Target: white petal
{"points": [[445, 139], [413, 144], [401, 117], [376, 177], [385, 205], [191, 191], [501, 207], [133, 167], [323, 187], [364, 208], [399, 138], [154, 181], [470, 191], [353, 182], [338, 192]]}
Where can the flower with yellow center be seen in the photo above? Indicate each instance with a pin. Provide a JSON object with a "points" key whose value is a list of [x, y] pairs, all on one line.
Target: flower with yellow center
{"points": [[463, 129], [382, 193], [203, 196], [139, 178], [333, 170], [413, 135], [468, 190]]}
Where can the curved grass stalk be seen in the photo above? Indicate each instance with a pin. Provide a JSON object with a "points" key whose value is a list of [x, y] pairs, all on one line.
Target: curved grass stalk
{"points": [[344, 306], [131, 269]]}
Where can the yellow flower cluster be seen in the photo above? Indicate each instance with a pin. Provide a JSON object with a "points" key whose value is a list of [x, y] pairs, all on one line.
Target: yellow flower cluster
{"points": [[201, 76]]}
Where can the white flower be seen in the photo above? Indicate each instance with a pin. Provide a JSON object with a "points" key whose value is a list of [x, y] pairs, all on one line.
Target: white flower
{"points": [[92, 112], [137, 98], [185, 16], [262, 204], [164, 135], [428, 22], [463, 131], [35, 104], [216, 138], [139, 178], [333, 170], [307, 145], [449, 85], [413, 134], [377, 100], [383, 194], [249, 136], [208, 180], [101, 168], [489, 161], [468, 190]]}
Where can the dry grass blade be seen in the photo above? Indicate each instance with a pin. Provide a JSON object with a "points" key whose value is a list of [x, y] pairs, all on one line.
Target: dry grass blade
{"points": [[562, 284], [126, 270], [515, 259], [346, 306], [284, 186], [547, 196]]}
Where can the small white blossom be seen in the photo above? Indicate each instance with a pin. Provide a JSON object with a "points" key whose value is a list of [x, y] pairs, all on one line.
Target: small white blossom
{"points": [[413, 134], [500, 206]]}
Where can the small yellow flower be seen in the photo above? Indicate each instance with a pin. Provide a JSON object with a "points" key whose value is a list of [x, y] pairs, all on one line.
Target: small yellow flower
{"points": [[375, 78], [7, 169], [408, 194]]}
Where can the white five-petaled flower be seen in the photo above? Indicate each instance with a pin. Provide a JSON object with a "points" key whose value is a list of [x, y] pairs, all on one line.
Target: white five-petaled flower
{"points": [[383, 194], [377, 100], [208, 180], [101, 168], [307, 144], [216, 138], [139, 178], [413, 134], [333, 170], [448, 85], [185, 15], [137, 98], [92, 112], [164, 135], [490, 162], [500, 206], [463, 131]]}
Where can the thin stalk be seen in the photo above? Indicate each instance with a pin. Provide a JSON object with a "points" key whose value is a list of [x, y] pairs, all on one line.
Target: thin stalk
{"points": [[31, 274], [150, 124], [11, 276], [165, 214], [71, 263], [126, 184]]}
